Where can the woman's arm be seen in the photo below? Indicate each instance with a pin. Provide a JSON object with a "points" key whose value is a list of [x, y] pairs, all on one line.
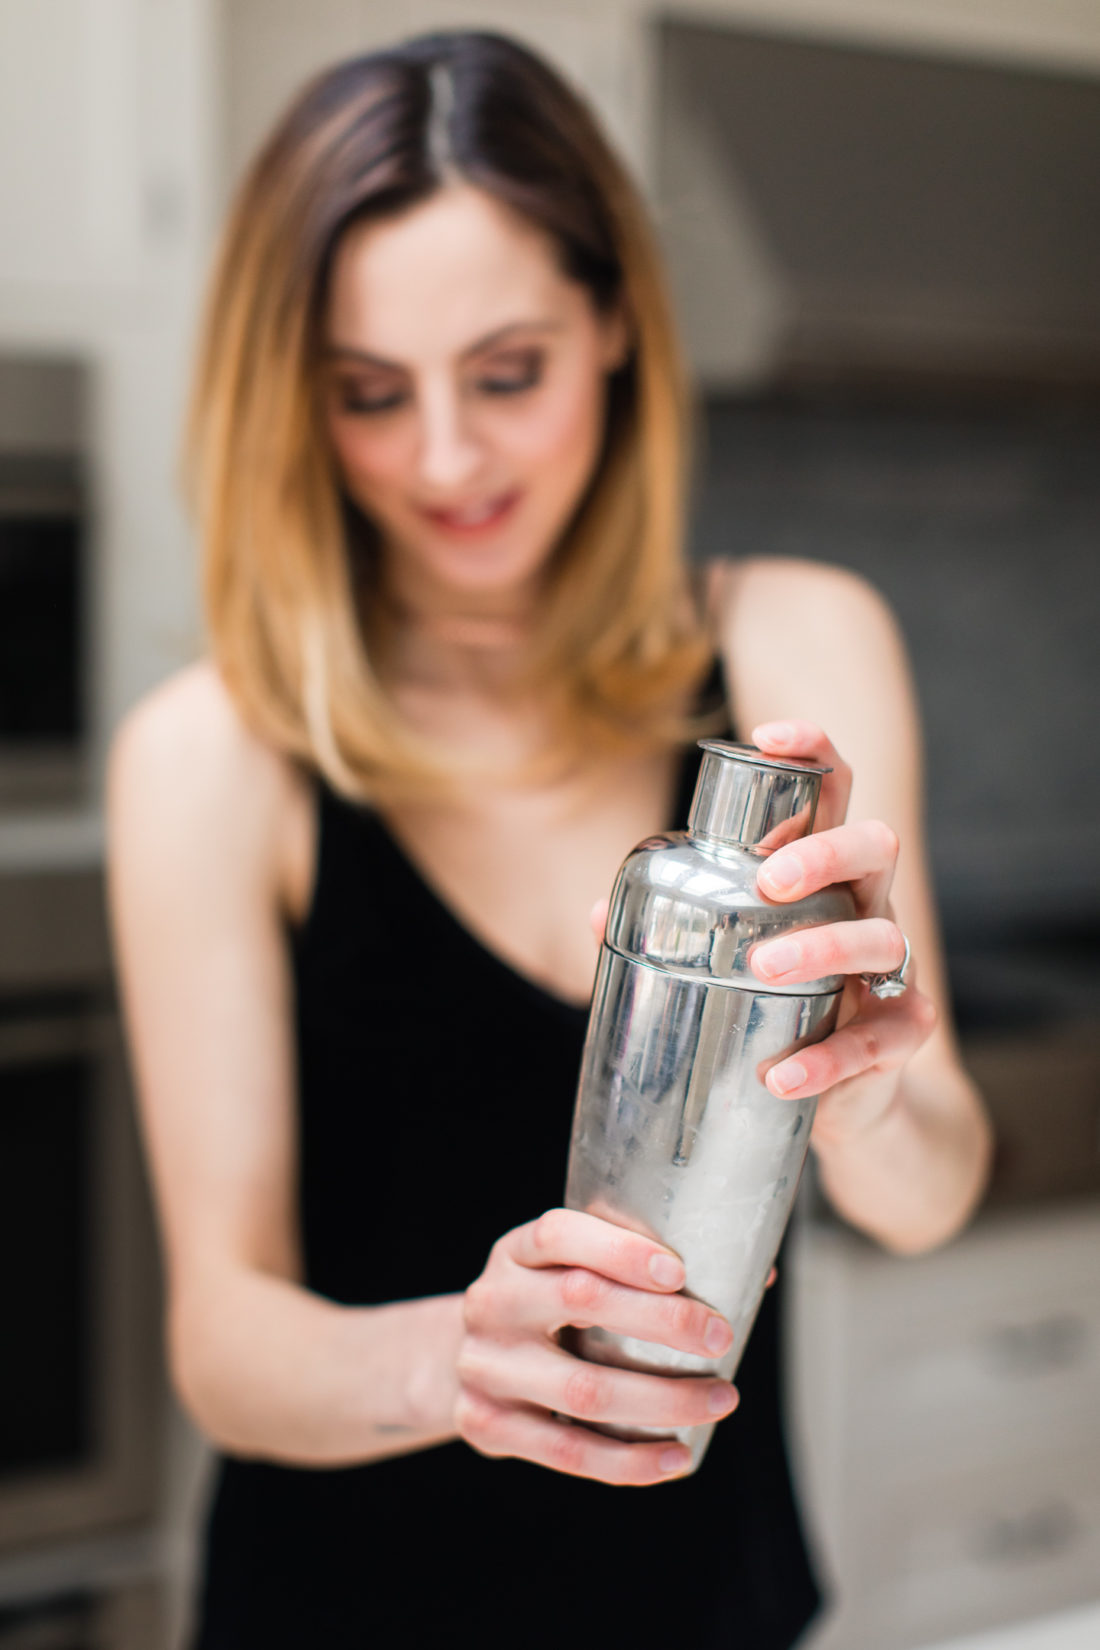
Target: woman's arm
{"points": [[901, 1137], [196, 815], [268, 1369]]}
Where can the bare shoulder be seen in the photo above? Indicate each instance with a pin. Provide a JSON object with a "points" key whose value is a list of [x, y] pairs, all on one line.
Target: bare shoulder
{"points": [[800, 634], [814, 596], [184, 768], [188, 730]]}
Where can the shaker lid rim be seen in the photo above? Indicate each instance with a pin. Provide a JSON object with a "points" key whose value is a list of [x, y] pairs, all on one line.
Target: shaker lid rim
{"points": [[753, 757]]}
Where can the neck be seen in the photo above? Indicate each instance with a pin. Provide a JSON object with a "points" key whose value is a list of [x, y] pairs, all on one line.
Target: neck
{"points": [[457, 642]]}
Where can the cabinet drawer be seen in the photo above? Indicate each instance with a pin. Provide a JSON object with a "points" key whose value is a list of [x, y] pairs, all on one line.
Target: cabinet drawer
{"points": [[971, 1551], [990, 1347], [1012, 1378]]}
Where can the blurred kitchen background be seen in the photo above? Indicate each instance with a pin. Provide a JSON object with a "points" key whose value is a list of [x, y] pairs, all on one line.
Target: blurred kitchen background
{"points": [[882, 219]]}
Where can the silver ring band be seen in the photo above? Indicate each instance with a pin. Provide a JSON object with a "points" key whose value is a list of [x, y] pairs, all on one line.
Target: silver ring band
{"points": [[891, 984]]}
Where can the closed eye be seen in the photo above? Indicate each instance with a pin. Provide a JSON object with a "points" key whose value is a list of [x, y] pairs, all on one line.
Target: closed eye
{"points": [[508, 386], [524, 376], [350, 402], [511, 380]]}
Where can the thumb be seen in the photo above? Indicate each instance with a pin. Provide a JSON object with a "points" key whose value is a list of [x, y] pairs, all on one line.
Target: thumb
{"points": [[597, 918]]}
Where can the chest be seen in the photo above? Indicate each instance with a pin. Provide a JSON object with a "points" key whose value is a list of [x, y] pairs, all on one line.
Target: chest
{"points": [[522, 869]]}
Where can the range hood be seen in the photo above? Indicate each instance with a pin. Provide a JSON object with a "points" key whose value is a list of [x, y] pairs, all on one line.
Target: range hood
{"points": [[839, 210]]}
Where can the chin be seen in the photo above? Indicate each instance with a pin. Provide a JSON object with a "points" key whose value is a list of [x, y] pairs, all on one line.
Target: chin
{"points": [[485, 580], [476, 568]]}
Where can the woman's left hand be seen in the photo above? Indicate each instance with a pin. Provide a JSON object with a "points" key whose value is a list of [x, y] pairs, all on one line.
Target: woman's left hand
{"points": [[857, 1069]]}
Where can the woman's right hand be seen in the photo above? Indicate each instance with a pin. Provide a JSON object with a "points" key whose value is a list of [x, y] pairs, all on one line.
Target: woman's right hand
{"points": [[516, 1381]]}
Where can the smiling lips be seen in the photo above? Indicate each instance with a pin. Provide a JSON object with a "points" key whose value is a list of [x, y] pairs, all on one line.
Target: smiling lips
{"points": [[474, 518]]}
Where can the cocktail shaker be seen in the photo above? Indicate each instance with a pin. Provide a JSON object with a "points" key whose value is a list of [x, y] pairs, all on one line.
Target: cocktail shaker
{"points": [[674, 1132]]}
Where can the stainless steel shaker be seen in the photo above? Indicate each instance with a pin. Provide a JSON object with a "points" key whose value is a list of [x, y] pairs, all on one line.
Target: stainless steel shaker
{"points": [[674, 1133]]}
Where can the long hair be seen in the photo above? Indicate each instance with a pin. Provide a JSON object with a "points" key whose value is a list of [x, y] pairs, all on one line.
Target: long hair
{"points": [[287, 559]]}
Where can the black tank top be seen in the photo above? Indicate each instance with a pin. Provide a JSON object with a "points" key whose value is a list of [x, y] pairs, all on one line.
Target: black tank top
{"points": [[426, 1130]]}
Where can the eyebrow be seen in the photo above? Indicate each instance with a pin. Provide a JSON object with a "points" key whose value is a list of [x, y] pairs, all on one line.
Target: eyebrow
{"points": [[349, 352]]}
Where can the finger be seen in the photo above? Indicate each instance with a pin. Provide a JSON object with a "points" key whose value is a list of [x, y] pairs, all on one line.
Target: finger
{"points": [[500, 1429], [874, 945], [808, 743], [772, 1275], [863, 854], [557, 1381], [511, 1303], [597, 918], [569, 1237], [880, 1038]]}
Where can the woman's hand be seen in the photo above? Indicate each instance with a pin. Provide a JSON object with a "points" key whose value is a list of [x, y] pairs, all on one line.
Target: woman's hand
{"points": [[857, 1069], [516, 1381]]}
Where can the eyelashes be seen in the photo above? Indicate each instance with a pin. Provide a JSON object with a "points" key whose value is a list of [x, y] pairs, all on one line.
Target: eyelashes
{"points": [[353, 403], [526, 376], [512, 384]]}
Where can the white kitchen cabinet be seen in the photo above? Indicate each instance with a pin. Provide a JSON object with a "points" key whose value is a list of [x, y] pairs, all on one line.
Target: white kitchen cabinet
{"points": [[98, 139], [108, 118], [43, 179], [947, 1418]]}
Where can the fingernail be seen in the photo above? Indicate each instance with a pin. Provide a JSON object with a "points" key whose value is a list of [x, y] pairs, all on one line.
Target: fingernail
{"points": [[790, 1075], [780, 957], [667, 1271], [718, 1335], [675, 1460], [782, 872], [722, 1400], [773, 733]]}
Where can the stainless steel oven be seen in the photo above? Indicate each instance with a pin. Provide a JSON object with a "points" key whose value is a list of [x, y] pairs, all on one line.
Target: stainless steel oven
{"points": [[45, 579], [81, 1389]]}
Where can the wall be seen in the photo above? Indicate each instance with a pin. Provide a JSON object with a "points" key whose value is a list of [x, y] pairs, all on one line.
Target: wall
{"points": [[644, 77], [106, 120]]}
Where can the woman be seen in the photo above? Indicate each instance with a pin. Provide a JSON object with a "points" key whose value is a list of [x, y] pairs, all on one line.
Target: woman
{"points": [[455, 672]]}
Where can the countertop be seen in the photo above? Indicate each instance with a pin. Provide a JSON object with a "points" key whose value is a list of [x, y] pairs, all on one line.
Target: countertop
{"points": [[1068, 1630]]}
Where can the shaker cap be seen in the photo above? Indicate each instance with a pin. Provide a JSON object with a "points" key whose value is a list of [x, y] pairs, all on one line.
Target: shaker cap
{"points": [[748, 799]]}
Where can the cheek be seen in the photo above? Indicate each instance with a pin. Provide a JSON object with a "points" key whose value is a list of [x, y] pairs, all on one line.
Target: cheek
{"points": [[562, 430], [369, 459]]}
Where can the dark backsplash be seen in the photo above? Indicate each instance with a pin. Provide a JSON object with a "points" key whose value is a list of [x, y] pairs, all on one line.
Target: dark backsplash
{"points": [[981, 525], [982, 528]]}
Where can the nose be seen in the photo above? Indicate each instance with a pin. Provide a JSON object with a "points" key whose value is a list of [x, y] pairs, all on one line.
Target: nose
{"points": [[450, 452]]}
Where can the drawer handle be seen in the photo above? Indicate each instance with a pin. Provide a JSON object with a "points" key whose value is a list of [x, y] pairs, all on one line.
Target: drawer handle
{"points": [[1037, 1534], [1024, 1349]]}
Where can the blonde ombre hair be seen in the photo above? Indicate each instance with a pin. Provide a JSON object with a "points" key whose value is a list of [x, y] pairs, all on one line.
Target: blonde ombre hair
{"points": [[288, 562]]}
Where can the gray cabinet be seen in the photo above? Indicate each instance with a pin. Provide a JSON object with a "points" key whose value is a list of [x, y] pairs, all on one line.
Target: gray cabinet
{"points": [[947, 1413]]}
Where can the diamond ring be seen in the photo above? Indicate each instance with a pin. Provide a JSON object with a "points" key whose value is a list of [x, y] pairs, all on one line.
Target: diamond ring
{"points": [[891, 984]]}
